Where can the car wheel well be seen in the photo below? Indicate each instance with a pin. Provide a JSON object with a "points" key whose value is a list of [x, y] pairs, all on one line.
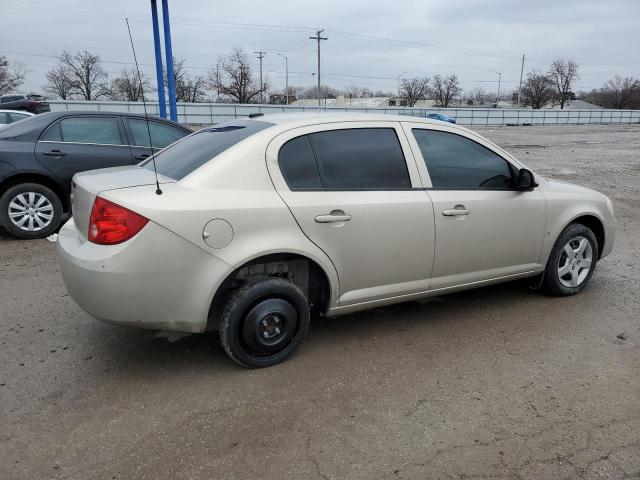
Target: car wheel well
{"points": [[298, 269], [595, 225], [14, 180]]}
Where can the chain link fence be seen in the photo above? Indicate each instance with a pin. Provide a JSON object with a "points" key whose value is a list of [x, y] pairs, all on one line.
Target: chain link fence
{"points": [[209, 113]]}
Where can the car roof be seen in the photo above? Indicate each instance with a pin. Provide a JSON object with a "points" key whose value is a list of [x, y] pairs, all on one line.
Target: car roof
{"points": [[313, 118], [284, 121], [64, 113]]}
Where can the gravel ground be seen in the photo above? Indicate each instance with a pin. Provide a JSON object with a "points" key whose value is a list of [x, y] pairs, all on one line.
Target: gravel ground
{"points": [[499, 382]]}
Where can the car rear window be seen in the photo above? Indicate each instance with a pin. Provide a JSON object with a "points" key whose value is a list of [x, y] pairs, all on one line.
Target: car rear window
{"points": [[186, 155], [18, 129], [162, 134]]}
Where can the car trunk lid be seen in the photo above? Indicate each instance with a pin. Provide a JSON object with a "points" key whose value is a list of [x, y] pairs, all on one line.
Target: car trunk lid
{"points": [[86, 186]]}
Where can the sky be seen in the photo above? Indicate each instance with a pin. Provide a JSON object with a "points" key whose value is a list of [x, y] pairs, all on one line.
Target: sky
{"points": [[370, 43]]}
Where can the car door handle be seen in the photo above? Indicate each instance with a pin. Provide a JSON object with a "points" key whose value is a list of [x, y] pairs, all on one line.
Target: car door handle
{"points": [[142, 157], [54, 153], [458, 210], [333, 218]]}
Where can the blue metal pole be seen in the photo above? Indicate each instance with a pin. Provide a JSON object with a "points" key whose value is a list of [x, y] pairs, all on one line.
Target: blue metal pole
{"points": [[159, 70], [173, 111]]}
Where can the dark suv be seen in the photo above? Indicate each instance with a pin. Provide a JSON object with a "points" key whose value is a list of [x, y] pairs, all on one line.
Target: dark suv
{"points": [[39, 156], [28, 103]]}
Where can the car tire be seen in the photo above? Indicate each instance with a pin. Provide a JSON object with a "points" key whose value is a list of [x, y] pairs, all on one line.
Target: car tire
{"points": [[572, 261], [264, 322], [42, 207]]}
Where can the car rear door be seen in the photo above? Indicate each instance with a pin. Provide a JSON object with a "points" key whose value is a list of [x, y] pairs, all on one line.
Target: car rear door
{"points": [[162, 135], [354, 190], [485, 228], [77, 143]]}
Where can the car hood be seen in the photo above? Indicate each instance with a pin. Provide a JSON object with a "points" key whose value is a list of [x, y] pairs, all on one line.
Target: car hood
{"points": [[566, 188]]}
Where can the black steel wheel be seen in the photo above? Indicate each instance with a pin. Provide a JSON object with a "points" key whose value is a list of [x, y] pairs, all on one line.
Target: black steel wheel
{"points": [[263, 322]]}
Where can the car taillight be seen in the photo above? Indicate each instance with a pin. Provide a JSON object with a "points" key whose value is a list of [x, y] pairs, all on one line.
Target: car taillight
{"points": [[110, 223]]}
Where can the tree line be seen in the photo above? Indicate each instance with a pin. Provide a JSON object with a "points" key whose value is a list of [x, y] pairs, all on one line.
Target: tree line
{"points": [[81, 75]]}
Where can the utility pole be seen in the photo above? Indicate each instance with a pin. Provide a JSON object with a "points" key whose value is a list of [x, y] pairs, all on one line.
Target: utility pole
{"points": [[499, 81], [286, 78], [217, 83], [261, 55], [399, 77], [317, 37], [520, 85]]}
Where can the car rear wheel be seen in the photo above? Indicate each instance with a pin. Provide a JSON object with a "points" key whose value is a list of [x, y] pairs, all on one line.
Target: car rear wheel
{"points": [[263, 322], [572, 261], [30, 210]]}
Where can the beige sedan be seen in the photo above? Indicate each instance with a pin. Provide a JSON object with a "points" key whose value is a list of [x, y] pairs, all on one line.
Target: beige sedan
{"points": [[257, 223]]}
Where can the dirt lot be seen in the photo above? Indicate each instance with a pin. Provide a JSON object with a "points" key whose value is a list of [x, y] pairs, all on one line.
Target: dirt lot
{"points": [[499, 382]]}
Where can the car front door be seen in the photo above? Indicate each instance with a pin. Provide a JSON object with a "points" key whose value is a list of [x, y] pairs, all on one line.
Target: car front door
{"points": [[79, 143], [161, 135], [485, 228], [356, 193]]}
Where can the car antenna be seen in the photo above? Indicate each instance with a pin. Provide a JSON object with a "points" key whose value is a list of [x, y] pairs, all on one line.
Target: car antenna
{"points": [[144, 105]]}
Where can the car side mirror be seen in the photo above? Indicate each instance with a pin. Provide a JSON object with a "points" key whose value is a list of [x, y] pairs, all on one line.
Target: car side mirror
{"points": [[526, 182]]}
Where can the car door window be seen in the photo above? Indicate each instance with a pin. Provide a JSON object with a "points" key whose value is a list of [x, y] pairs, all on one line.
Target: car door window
{"points": [[456, 162], [4, 118], [161, 134], [98, 130], [298, 164], [360, 159], [52, 134]]}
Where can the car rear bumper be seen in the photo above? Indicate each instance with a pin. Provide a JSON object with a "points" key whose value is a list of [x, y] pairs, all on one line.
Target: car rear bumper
{"points": [[155, 280]]}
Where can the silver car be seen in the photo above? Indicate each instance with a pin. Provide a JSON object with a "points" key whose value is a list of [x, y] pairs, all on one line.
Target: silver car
{"points": [[259, 223]]}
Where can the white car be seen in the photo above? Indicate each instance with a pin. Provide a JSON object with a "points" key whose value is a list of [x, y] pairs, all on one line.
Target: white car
{"points": [[10, 116], [259, 222]]}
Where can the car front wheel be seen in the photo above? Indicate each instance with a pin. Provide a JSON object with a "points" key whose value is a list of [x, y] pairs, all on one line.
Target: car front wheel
{"points": [[264, 321], [572, 261], [30, 210]]}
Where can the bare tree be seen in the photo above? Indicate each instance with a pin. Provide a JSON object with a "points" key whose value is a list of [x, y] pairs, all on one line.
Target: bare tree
{"points": [[446, 89], [59, 82], [127, 88], [414, 89], [232, 77], [88, 78], [11, 76], [188, 88], [294, 90], [621, 92], [537, 90], [479, 93], [563, 74], [383, 93]]}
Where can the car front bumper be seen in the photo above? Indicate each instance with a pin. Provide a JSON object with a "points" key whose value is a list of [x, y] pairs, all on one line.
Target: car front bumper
{"points": [[154, 280]]}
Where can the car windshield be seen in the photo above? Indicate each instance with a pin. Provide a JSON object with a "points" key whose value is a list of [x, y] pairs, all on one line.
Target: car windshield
{"points": [[184, 156]]}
